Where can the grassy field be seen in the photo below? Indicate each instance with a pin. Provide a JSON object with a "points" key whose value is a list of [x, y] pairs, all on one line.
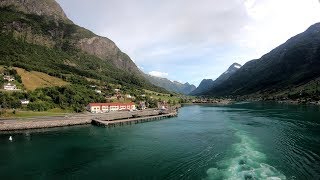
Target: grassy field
{"points": [[162, 96], [28, 114], [33, 80]]}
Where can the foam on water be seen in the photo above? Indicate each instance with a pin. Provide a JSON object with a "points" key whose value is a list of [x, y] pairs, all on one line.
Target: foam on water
{"points": [[246, 162]]}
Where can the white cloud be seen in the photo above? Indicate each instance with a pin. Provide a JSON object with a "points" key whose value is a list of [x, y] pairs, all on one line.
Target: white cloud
{"points": [[273, 22], [158, 74]]}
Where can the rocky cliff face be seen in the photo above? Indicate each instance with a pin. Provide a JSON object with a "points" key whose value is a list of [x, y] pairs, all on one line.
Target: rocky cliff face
{"points": [[62, 33], [104, 48], [38, 7]]}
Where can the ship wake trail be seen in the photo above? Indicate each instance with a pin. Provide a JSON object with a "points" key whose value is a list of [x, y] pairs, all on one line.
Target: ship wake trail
{"points": [[245, 162]]}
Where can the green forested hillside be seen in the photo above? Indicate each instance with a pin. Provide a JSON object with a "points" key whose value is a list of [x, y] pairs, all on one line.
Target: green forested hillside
{"points": [[72, 66], [62, 59], [44, 44]]}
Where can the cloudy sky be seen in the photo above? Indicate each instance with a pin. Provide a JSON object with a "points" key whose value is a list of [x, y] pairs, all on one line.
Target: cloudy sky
{"points": [[188, 40]]}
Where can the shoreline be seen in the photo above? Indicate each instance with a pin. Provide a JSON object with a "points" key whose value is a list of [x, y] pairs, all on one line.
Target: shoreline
{"points": [[45, 122], [74, 120], [233, 101]]}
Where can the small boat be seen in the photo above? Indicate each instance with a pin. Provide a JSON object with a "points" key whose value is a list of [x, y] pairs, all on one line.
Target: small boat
{"points": [[10, 138]]}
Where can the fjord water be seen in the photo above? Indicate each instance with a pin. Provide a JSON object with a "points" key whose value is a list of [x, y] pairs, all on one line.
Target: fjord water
{"points": [[241, 141]]}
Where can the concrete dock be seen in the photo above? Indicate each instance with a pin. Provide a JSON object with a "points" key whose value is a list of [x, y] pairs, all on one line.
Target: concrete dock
{"points": [[110, 119], [40, 124], [130, 121]]}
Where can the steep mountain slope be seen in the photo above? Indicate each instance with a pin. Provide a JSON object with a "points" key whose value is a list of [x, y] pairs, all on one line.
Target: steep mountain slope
{"points": [[187, 88], [204, 86], [63, 33], [171, 86], [230, 71], [207, 84], [293, 63], [36, 35]]}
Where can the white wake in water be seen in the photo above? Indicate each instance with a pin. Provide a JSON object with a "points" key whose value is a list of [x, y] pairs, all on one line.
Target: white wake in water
{"points": [[246, 163]]}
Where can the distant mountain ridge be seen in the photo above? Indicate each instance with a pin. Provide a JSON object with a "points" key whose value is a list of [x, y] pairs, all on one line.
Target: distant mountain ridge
{"points": [[171, 86], [292, 64], [207, 84]]}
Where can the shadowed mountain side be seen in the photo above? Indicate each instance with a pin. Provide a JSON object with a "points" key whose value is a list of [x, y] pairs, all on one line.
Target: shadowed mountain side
{"points": [[293, 63], [207, 84]]}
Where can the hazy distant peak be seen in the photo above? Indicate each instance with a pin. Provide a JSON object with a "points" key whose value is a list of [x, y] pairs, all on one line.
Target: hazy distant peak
{"points": [[174, 86]]}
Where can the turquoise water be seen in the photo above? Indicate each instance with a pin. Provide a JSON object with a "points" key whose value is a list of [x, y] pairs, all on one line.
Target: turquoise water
{"points": [[241, 141]]}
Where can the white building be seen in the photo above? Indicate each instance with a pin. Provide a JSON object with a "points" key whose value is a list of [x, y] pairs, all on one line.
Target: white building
{"points": [[98, 91], [24, 101], [10, 87], [8, 78], [106, 107]]}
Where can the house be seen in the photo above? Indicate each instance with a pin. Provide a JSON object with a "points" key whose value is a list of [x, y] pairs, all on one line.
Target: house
{"points": [[8, 78], [10, 87], [24, 101], [98, 91], [107, 107], [142, 105], [163, 105], [128, 96], [110, 98]]}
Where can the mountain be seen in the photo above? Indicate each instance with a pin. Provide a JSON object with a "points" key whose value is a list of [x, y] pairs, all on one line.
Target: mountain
{"points": [[171, 86], [230, 71], [292, 64], [204, 86], [48, 8], [37, 35], [65, 33], [207, 84]]}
